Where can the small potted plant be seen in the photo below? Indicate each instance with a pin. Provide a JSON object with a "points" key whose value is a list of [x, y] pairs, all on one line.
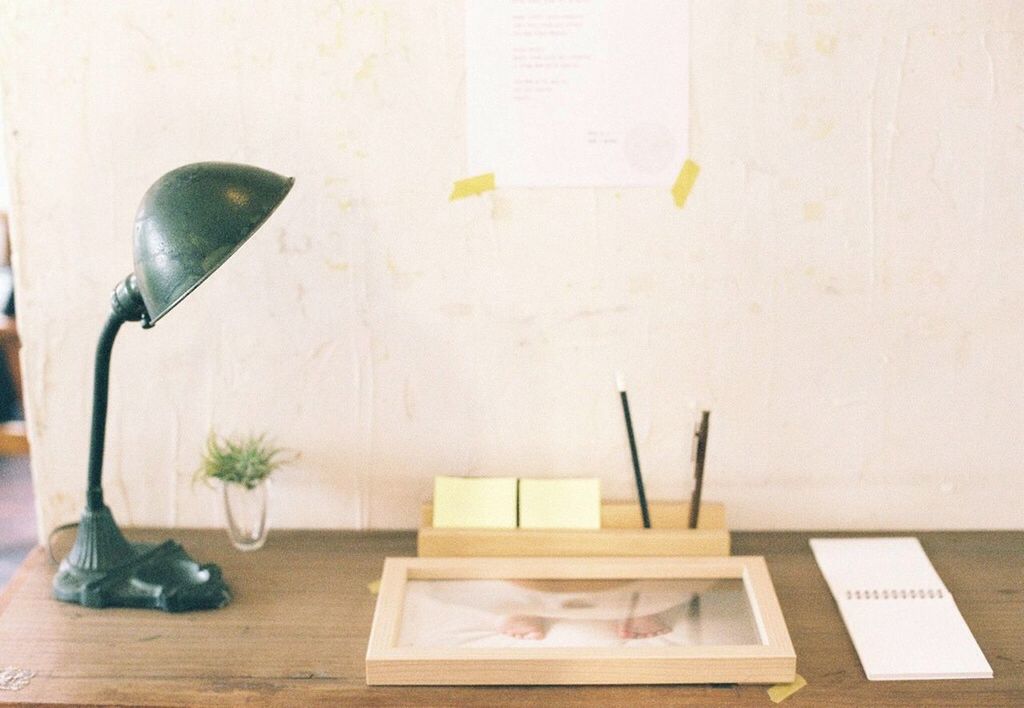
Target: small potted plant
{"points": [[244, 466]]}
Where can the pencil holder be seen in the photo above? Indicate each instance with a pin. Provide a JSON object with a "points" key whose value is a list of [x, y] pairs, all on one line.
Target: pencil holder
{"points": [[621, 534]]}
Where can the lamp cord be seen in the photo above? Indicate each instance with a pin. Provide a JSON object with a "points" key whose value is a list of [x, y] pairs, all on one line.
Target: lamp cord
{"points": [[49, 539]]}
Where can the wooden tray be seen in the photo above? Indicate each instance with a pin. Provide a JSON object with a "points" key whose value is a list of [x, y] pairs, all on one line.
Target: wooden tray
{"points": [[621, 534]]}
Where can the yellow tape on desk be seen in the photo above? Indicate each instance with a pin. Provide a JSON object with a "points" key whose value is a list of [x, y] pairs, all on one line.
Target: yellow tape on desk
{"points": [[780, 692]]}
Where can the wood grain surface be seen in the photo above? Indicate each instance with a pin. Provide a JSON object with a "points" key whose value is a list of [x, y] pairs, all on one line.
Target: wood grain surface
{"points": [[296, 632]]}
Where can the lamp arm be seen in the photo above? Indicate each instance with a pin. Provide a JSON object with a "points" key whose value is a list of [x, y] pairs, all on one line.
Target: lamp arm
{"points": [[101, 383], [126, 306]]}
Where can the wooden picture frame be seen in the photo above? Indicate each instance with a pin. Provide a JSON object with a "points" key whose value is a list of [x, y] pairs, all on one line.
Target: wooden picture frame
{"points": [[404, 651]]}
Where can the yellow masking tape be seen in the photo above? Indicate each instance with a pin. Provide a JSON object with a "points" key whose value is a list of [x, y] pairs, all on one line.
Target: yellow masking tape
{"points": [[471, 186], [684, 182], [373, 586], [780, 692]]}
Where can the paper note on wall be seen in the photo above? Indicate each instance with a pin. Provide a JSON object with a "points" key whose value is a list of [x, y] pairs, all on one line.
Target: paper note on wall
{"points": [[560, 503], [475, 502], [568, 93]]}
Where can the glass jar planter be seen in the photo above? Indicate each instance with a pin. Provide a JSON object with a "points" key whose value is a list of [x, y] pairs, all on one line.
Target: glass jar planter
{"points": [[246, 512]]}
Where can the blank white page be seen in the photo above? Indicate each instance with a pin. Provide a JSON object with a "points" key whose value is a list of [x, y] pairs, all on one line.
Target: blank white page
{"points": [[901, 618]]}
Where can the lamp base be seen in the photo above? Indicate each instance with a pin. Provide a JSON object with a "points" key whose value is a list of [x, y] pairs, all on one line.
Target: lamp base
{"points": [[159, 576]]}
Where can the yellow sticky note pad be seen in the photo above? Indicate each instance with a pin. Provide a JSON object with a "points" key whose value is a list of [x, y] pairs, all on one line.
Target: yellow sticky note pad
{"points": [[560, 503], [472, 185], [475, 502]]}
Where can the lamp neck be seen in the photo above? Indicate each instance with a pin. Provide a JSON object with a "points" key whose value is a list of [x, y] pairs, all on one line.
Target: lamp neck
{"points": [[126, 301], [101, 383], [126, 306]]}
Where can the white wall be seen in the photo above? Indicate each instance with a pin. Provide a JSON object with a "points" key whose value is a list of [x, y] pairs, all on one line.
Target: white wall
{"points": [[5, 195], [843, 289]]}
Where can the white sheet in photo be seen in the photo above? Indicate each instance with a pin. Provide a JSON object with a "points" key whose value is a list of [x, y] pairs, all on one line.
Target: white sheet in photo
{"points": [[469, 613]]}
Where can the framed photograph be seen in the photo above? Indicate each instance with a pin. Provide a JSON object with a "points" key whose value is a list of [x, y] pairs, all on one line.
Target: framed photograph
{"points": [[508, 621]]}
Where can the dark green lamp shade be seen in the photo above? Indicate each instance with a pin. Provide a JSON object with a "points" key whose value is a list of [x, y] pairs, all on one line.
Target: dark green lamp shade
{"points": [[191, 220]]}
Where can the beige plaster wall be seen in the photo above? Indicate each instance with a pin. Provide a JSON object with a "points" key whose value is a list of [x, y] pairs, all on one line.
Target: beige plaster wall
{"points": [[843, 289]]}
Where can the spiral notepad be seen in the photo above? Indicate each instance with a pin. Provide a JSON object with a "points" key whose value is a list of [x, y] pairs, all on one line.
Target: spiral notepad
{"points": [[903, 621]]}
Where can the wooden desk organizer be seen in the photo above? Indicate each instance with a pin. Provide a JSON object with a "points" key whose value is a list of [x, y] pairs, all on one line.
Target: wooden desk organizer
{"points": [[621, 534]]}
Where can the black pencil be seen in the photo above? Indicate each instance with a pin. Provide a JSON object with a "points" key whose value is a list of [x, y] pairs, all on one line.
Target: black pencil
{"points": [[698, 469], [632, 449]]}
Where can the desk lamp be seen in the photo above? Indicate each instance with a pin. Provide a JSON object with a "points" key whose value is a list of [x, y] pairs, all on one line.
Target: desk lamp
{"points": [[190, 221]]}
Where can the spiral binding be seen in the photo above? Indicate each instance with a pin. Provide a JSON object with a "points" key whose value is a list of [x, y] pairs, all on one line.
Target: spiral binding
{"points": [[896, 594]]}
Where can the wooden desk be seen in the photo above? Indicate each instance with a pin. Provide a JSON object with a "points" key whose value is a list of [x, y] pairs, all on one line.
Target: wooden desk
{"points": [[297, 629]]}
